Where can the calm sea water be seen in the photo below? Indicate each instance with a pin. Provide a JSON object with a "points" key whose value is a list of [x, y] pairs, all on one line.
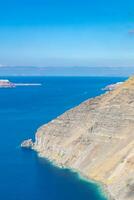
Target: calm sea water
{"points": [[23, 175]]}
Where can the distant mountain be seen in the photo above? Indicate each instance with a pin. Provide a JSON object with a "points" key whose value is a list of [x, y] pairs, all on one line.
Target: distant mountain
{"points": [[66, 71]]}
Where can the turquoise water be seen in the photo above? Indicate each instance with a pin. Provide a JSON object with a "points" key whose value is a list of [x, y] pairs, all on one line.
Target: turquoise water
{"points": [[23, 175]]}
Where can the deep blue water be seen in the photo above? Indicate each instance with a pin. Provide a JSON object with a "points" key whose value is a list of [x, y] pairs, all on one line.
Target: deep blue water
{"points": [[23, 175]]}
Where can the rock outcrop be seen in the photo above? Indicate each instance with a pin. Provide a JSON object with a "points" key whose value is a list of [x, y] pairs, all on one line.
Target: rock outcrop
{"points": [[96, 138], [112, 86], [27, 144]]}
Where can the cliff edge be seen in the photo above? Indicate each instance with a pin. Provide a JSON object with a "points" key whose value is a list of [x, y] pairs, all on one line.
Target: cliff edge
{"points": [[96, 138]]}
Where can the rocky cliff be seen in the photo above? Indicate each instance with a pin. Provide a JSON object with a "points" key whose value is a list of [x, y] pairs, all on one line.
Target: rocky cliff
{"points": [[96, 138]]}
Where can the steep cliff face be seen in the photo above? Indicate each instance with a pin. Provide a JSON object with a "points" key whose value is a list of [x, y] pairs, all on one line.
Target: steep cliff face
{"points": [[97, 139]]}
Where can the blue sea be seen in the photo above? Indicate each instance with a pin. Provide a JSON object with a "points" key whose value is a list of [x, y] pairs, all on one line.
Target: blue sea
{"points": [[23, 175]]}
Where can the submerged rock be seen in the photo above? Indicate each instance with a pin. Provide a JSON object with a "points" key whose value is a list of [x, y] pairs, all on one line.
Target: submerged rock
{"points": [[27, 143]]}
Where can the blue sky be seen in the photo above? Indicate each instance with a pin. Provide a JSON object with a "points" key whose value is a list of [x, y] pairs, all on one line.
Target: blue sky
{"points": [[67, 32]]}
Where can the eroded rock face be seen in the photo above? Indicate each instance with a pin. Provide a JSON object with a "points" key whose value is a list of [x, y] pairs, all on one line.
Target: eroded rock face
{"points": [[97, 139], [27, 144]]}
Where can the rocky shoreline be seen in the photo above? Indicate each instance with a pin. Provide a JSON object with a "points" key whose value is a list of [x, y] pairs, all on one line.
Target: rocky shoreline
{"points": [[102, 187], [96, 140]]}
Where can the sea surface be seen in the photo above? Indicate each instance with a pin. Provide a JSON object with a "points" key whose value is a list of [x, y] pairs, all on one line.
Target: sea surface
{"points": [[23, 175]]}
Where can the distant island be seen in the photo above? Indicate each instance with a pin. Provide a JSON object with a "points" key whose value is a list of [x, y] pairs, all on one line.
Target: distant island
{"points": [[5, 83], [95, 138]]}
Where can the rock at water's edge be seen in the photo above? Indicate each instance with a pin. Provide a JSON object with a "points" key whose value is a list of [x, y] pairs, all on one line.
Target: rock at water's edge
{"points": [[27, 144]]}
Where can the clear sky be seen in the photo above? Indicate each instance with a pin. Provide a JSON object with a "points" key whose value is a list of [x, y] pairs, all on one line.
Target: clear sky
{"points": [[67, 32]]}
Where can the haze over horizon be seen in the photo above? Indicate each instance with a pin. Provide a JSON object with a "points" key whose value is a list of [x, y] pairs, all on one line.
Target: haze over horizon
{"points": [[67, 33], [66, 71]]}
